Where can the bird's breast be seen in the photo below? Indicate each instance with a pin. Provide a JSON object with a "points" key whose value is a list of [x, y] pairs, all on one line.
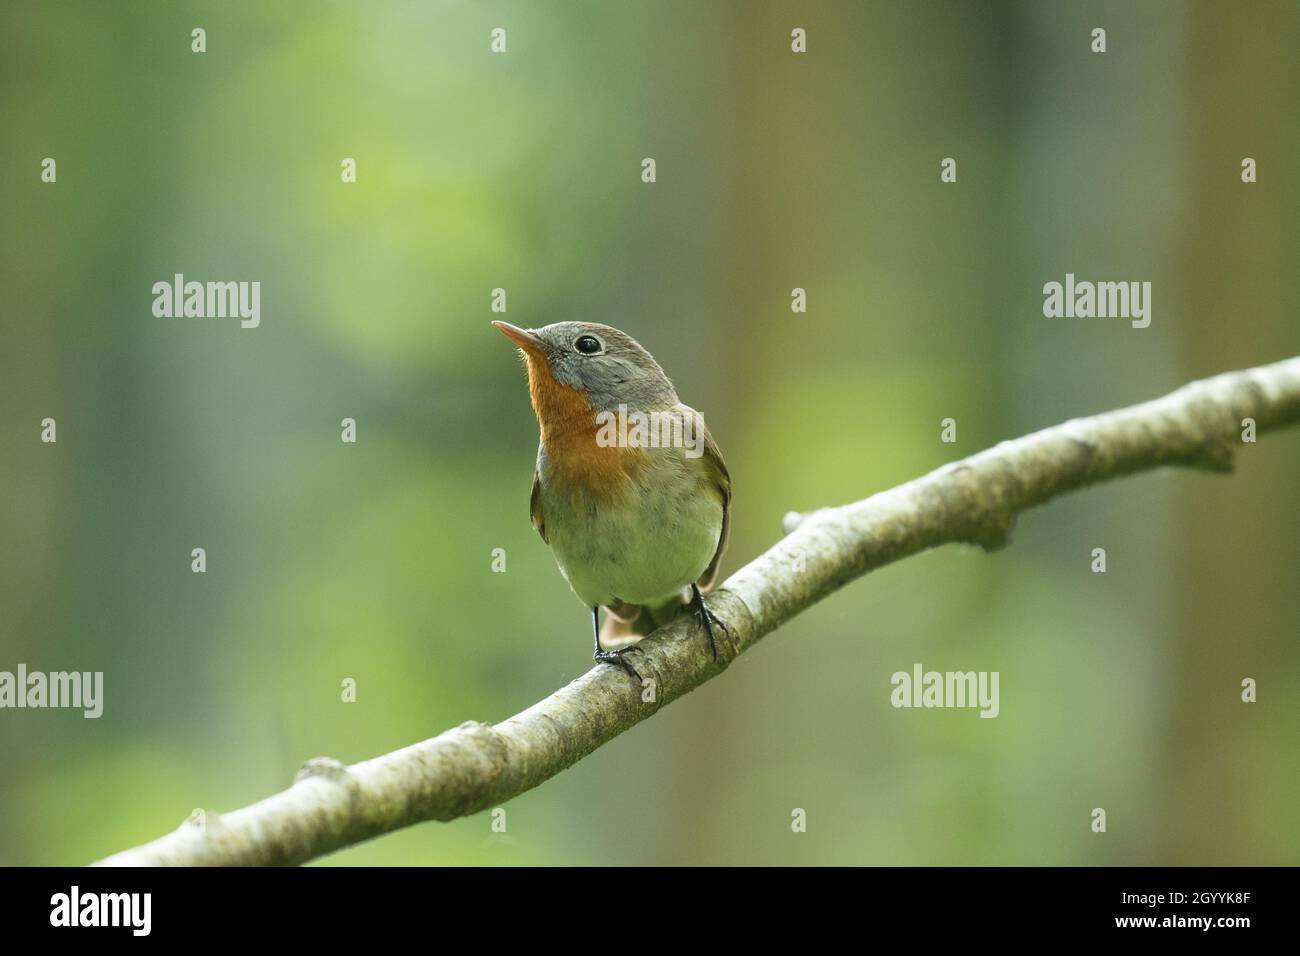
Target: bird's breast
{"points": [[578, 467], [636, 539]]}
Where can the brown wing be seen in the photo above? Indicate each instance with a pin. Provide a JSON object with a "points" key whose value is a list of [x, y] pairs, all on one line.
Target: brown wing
{"points": [[713, 458], [535, 501]]}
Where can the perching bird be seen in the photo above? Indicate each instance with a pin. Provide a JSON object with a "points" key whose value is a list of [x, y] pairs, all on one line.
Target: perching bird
{"points": [[630, 490]]}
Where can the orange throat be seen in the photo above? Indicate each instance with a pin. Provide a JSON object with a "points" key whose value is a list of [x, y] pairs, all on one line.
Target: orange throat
{"points": [[578, 465]]}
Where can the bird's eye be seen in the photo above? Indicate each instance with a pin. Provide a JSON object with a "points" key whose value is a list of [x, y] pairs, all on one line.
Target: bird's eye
{"points": [[587, 345]]}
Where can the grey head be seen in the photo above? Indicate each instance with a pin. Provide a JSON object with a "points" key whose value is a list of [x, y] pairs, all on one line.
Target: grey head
{"points": [[607, 364]]}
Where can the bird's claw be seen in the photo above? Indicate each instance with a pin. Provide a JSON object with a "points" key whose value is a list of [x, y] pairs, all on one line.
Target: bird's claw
{"points": [[707, 618], [616, 657]]}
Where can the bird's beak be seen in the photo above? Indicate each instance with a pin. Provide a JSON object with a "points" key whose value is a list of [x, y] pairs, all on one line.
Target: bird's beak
{"points": [[523, 338]]}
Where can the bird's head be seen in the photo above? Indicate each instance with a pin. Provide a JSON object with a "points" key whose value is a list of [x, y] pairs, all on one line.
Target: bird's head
{"points": [[595, 363]]}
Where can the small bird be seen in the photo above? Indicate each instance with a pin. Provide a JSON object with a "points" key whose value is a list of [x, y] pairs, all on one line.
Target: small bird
{"points": [[637, 520]]}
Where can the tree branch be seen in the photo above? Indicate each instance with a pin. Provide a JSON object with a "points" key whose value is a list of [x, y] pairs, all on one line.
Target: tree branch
{"points": [[975, 500]]}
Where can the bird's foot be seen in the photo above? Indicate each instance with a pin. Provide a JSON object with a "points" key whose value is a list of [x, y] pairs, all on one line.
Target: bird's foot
{"points": [[706, 618], [616, 657]]}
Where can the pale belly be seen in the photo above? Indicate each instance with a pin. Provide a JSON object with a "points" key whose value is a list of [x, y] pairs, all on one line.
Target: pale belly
{"points": [[639, 548]]}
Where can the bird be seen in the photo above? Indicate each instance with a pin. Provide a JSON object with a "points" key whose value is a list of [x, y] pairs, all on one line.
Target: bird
{"points": [[638, 517]]}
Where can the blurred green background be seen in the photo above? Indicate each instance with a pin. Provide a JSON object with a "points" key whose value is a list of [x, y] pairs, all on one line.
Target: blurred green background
{"points": [[522, 171]]}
